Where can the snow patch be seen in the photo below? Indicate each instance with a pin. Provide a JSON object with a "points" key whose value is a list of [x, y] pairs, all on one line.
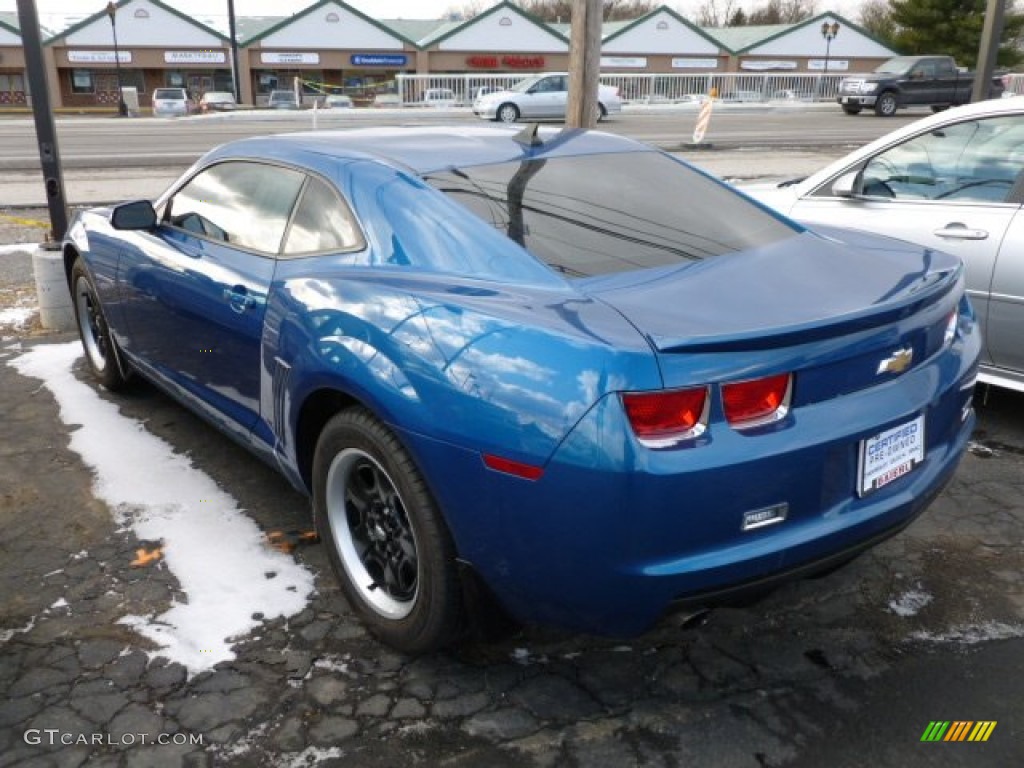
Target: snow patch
{"points": [[312, 756], [218, 555], [910, 602], [16, 317], [972, 634]]}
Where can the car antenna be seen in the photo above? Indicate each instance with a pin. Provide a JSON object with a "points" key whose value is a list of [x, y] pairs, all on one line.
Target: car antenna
{"points": [[529, 137]]}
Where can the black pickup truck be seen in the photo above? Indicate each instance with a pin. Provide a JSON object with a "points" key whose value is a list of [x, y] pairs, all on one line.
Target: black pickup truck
{"points": [[910, 80]]}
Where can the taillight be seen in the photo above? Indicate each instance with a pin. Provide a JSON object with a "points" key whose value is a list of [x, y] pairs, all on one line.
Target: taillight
{"points": [[664, 417], [950, 332], [756, 402]]}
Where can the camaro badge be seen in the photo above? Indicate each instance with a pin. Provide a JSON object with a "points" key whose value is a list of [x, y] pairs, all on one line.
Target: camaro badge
{"points": [[898, 363]]}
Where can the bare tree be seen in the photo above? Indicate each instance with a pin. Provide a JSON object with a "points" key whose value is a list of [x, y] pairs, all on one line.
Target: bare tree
{"points": [[876, 18], [463, 11], [612, 10], [781, 12], [716, 13]]}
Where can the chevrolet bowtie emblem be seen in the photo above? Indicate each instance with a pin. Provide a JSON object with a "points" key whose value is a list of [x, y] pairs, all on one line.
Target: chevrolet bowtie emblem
{"points": [[898, 363]]}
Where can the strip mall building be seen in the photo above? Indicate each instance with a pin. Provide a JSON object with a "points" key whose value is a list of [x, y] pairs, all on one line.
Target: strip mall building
{"points": [[331, 44]]}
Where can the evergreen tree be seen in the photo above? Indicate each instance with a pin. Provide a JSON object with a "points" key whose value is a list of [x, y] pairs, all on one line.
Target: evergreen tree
{"points": [[952, 27]]}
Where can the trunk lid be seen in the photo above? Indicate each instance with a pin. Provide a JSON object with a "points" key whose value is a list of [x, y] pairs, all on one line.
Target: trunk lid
{"points": [[813, 286]]}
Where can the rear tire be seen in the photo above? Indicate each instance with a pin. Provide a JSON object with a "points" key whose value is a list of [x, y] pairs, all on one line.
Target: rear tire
{"points": [[101, 353], [507, 113], [851, 110], [385, 536], [886, 105]]}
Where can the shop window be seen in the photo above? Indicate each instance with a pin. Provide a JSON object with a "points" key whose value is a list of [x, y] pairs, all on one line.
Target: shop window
{"points": [[81, 81], [267, 82], [175, 79], [222, 81]]}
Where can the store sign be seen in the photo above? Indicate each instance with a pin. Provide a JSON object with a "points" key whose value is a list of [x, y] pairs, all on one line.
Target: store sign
{"points": [[379, 59], [694, 63], [624, 62], [99, 57], [759, 66], [839, 65], [290, 58], [511, 62], [195, 57]]}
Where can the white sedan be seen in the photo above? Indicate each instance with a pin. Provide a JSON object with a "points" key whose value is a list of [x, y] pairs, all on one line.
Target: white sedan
{"points": [[543, 96], [953, 181]]}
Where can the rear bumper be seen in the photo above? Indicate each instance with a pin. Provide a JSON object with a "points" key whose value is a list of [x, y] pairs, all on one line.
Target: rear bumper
{"points": [[614, 533]]}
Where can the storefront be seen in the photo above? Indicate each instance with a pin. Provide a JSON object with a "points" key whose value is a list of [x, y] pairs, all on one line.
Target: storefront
{"points": [[13, 83], [330, 48], [156, 47], [502, 40]]}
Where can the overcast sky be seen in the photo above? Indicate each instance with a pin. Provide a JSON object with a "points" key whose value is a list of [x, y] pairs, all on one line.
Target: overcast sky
{"points": [[51, 10]]}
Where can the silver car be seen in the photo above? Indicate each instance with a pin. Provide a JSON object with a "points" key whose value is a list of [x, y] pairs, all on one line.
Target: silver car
{"points": [[543, 96], [953, 181], [172, 102]]}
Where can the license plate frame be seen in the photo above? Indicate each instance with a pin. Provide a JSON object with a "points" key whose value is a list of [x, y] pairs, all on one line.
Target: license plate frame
{"points": [[889, 455]]}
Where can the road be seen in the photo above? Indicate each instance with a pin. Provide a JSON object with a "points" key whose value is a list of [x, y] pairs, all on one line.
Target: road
{"points": [[103, 142]]}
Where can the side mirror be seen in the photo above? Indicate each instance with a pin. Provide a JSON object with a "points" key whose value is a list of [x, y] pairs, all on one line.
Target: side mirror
{"points": [[847, 185], [138, 214]]}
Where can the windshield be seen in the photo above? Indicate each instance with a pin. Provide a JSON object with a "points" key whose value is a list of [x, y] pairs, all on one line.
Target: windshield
{"points": [[219, 97], [524, 85], [898, 66], [597, 214]]}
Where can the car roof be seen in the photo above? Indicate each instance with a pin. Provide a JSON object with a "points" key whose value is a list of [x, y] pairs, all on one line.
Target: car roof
{"points": [[1013, 105], [426, 149]]}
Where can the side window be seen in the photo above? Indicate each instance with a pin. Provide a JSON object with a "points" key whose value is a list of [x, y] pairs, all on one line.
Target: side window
{"points": [[323, 222], [242, 203], [972, 161]]}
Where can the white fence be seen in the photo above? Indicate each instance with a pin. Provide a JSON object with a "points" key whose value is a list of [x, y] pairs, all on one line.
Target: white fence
{"points": [[640, 88], [1014, 84]]}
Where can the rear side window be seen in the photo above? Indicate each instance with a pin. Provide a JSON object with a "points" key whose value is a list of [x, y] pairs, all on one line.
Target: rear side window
{"points": [[322, 223], [597, 214], [245, 204]]}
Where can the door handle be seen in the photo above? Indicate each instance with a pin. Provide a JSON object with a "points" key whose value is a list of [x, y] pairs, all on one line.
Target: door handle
{"points": [[238, 298], [958, 231]]}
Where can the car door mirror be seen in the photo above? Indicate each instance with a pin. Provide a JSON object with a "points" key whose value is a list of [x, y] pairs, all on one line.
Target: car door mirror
{"points": [[847, 185], [138, 214]]}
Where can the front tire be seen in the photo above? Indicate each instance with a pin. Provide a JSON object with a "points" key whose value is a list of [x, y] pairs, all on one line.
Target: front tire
{"points": [[507, 113], [385, 536], [886, 105], [97, 340]]}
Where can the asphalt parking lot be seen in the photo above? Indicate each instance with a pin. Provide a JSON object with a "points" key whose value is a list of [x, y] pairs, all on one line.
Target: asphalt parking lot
{"points": [[845, 670]]}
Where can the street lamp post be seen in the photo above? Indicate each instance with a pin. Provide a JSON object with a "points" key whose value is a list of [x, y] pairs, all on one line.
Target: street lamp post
{"points": [[122, 108], [829, 32]]}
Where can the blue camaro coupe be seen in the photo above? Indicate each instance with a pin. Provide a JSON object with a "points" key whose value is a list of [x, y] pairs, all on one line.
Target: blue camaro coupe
{"points": [[564, 366]]}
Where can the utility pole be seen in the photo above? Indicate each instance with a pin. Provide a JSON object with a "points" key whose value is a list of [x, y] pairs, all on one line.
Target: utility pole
{"points": [[584, 64], [234, 52], [46, 130], [991, 34]]}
